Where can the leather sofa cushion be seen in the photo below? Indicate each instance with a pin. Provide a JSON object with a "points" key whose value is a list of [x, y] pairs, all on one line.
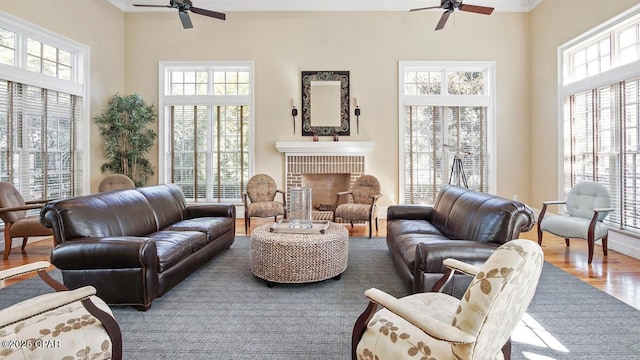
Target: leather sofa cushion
{"points": [[475, 216], [406, 245], [174, 246], [212, 226], [166, 201], [404, 226], [121, 213], [471, 252]]}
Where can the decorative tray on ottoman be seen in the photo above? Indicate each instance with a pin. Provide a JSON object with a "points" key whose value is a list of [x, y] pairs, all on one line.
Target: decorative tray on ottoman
{"points": [[282, 226]]}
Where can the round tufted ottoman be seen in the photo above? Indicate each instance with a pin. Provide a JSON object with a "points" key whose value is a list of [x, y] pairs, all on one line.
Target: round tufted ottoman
{"points": [[299, 258]]}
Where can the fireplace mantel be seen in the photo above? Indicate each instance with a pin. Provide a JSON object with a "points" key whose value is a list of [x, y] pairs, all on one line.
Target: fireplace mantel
{"points": [[324, 147]]}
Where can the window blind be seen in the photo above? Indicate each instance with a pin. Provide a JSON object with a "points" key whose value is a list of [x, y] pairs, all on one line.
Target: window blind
{"points": [[38, 145]]}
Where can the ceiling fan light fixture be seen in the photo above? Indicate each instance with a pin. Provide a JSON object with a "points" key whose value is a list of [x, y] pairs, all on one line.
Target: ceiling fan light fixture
{"points": [[451, 5], [184, 7]]}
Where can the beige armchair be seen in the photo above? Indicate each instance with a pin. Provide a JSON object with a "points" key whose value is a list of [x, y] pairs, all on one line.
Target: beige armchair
{"points": [[13, 211], [64, 324], [588, 204], [434, 325], [114, 182], [260, 200], [361, 205]]}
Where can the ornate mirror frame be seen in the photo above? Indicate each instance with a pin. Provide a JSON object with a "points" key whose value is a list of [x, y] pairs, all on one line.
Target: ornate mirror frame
{"points": [[307, 128]]}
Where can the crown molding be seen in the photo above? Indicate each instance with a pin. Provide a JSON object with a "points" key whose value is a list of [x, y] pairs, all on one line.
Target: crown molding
{"points": [[324, 5], [120, 4]]}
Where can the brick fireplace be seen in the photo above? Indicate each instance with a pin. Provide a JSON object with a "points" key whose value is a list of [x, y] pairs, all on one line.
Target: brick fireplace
{"points": [[325, 167]]}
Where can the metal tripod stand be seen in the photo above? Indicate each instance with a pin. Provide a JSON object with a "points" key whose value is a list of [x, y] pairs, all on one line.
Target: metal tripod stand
{"points": [[458, 170]]}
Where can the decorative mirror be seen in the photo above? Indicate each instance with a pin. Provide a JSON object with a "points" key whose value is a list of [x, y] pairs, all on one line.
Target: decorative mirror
{"points": [[325, 103]]}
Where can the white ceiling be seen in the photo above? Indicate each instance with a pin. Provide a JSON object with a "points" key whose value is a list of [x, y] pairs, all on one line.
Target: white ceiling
{"points": [[324, 5]]}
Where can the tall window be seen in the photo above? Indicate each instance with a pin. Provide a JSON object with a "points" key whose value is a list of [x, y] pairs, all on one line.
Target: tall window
{"points": [[207, 121], [601, 120], [41, 111], [445, 113]]}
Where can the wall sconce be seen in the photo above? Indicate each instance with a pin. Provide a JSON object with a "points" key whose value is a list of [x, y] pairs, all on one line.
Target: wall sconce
{"points": [[294, 113], [357, 112]]}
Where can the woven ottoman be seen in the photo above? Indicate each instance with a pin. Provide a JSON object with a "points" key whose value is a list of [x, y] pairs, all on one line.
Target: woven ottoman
{"points": [[299, 258]]}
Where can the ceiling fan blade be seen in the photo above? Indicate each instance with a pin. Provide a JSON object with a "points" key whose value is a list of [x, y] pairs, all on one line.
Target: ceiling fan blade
{"points": [[427, 8], [162, 6], [476, 9], [443, 19], [186, 20], [209, 13]]}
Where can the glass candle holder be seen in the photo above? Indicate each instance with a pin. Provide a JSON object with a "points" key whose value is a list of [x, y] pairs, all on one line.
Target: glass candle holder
{"points": [[300, 208]]}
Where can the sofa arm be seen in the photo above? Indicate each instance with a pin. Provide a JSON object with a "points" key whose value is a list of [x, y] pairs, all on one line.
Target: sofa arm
{"points": [[430, 258], [210, 210], [410, 212], [430, 263], [117, 252]]}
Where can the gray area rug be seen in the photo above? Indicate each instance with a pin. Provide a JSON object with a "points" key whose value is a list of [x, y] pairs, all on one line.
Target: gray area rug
{"points": [[223, 312]]}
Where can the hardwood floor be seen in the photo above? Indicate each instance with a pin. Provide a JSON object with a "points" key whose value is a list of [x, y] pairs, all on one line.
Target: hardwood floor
{"points": [[616, 274]]}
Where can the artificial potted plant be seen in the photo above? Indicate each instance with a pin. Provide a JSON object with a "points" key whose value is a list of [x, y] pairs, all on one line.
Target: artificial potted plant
{"points": [[123, 125]]}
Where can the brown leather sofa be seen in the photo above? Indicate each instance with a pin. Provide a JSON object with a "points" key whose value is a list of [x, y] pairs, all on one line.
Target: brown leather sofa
{"points": [[463, 224], [134, 245]]}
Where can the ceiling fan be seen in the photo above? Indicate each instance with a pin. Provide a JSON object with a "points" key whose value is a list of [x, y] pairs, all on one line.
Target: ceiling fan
{"points": [[451, 5], [186, 5]]}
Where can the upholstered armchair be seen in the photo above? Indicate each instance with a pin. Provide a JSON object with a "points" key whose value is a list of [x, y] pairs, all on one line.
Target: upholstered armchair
{"points": [[587, 204], [17, 223], [361, 205], [64, 324], [114, 182], [434, 325], [260, 200]]}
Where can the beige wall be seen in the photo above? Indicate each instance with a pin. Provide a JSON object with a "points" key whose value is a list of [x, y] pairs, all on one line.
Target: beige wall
{"points": [[554, 23], [369, 45], [94, 23], [126, 49]]}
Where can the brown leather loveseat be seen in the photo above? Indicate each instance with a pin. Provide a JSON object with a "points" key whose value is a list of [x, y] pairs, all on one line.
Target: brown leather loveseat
{"points": [[134, 245], [463, 224]]}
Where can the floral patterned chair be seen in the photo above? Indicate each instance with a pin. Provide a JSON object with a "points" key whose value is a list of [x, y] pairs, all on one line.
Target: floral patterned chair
{"points": [[362, 202], [438, 326], [66, 324], [259, 200]]}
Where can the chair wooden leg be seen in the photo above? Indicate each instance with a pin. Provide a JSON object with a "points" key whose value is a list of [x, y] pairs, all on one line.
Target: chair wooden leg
{"points": [[506, 350], [566, 241], [591, 243], [7, 242], [539, 236], [370, 229], [24, 242], [247, 222], [604, 244]]}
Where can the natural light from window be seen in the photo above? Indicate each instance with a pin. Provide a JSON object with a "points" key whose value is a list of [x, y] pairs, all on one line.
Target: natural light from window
{"points": [[530, 332]]}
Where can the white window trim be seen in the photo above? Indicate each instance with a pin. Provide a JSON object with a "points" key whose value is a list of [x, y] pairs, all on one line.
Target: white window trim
{"points": [[167, 100], [613, 75], [488, 100], [80, 79]]}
